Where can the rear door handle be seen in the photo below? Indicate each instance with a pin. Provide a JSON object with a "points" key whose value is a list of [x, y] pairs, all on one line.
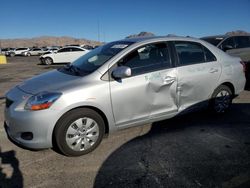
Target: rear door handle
{"points": [[169, 80], [213, 70]]}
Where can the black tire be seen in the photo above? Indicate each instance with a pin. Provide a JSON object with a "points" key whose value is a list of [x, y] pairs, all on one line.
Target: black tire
{"points": [[221, 99], [48, 61], [12, 54], [28, 54], [67, 122]]}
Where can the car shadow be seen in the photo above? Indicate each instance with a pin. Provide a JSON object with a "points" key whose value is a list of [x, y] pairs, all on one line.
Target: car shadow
{"points": [[247, 86], [10, 174], [193, 150]]}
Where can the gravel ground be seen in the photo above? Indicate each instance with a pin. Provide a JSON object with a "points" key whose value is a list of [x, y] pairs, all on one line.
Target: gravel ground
{"points": [[195, 150]]}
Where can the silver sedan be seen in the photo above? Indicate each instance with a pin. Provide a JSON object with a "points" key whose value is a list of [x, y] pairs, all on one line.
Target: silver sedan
{"points": [[121, 84]]}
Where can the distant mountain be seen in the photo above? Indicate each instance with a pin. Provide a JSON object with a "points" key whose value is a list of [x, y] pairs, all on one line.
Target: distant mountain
{"points": [[238, 32], [141, 34], [149, 34], [45, 41]]}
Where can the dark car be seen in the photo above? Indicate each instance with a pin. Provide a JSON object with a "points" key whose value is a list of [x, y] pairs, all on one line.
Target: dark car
{"points": [[3, 51], [235, 45]]}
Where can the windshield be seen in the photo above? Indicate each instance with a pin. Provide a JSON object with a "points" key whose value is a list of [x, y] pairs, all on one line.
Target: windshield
{"points": [[97, 57], [213, 40]]}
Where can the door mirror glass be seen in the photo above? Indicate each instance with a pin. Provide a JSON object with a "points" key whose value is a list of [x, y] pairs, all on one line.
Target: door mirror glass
{"points": [[121, 72]]}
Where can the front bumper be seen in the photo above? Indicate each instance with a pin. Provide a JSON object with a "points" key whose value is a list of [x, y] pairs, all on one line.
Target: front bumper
{"points": [[19, 121], [42, 60]]}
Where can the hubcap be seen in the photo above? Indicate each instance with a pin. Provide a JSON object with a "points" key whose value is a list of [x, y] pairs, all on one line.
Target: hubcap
{"points": [[222, 101], [48, 61], [82, 134]]}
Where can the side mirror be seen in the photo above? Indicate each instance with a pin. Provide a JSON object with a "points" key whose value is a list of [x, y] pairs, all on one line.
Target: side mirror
{"points": [[227, 47], [121, 72]]}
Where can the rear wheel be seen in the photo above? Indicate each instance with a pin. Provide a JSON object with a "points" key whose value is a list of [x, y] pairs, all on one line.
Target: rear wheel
{"points": [[221, 99], [12, 54], [28, 54], [79, 132], [48, 61]]}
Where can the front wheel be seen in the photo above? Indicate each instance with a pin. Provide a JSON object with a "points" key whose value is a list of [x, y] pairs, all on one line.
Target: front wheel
{"points": [[79, 132], [221, 99], [48, 61]]}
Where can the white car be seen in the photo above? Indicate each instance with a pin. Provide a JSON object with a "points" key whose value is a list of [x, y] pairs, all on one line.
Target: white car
{"points": [[34, 51], [64, 55], [17, 51]]}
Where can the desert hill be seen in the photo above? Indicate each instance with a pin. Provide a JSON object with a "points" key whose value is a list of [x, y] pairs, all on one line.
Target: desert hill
{"points": [[61, 41], [45, 41]]}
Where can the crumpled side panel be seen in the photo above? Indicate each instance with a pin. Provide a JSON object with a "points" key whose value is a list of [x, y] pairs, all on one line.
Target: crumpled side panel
{"points": [[162, 94]]}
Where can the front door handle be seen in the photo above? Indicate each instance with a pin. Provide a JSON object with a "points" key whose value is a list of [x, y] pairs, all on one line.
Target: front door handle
{"points": [[169, 80], [213, 70]]}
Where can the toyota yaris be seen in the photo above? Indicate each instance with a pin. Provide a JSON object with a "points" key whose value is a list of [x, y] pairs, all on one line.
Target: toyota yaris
{"points": [[121, 84]]}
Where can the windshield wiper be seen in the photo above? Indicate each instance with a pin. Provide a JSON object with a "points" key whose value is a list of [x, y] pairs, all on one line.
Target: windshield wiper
{"points": [[73, 69]]}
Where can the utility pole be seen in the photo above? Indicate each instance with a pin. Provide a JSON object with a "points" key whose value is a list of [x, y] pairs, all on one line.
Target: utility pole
{"points": [[98, 30], [104, 36]]}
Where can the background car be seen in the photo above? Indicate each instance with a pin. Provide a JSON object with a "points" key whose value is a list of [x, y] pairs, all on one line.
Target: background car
{"points": [[33, 51], [64, 55], [235, 45], [16, 51], [88, 47], [4, 50]]}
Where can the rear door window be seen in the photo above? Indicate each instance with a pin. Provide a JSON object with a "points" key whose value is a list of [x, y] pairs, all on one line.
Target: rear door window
{"points": [[192, 53], [64, 50], [189, 53]]}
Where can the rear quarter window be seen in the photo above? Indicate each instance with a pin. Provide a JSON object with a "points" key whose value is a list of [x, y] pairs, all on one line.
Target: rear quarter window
{"points": [[209, 55]]}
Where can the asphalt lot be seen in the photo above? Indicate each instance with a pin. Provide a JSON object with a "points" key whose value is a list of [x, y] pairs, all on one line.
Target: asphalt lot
{"points": [[195, 150]]}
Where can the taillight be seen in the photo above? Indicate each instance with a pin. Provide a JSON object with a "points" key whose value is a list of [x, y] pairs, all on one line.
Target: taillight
{"points": [[244, 66]]}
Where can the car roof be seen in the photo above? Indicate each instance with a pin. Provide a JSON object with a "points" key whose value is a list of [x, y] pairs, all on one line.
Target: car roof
{"points": [[157, 38], [215, 36], [72, 47]]}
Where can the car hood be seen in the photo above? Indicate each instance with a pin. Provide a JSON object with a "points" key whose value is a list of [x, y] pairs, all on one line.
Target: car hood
{"points": [[50, 81]]}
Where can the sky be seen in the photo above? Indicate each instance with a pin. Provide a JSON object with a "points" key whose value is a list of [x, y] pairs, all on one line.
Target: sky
{"points": [[109, 20]]}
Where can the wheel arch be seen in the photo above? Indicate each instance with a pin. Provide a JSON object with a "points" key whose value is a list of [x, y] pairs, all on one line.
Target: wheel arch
{"points": [[230, 85], [101, 113], [49, 57]]}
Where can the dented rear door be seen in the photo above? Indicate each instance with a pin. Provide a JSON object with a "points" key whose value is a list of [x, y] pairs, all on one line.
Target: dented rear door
{"points": [[161, 89], [198, 73]]}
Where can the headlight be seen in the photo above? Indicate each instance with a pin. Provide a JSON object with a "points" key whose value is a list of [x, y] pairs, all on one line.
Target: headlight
{"points": [[41, 101]]}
